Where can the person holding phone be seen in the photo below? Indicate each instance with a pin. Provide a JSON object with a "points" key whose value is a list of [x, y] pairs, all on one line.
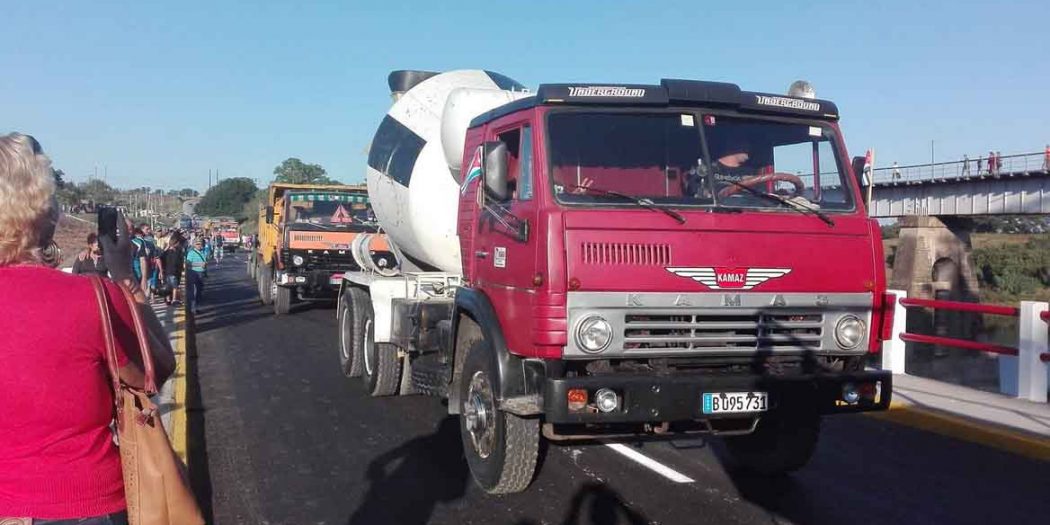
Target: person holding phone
{"points": [[57, 456]]}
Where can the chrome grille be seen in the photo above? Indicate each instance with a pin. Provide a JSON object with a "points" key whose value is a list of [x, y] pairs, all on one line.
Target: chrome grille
{"points": [[658, 333], [606, 253]]}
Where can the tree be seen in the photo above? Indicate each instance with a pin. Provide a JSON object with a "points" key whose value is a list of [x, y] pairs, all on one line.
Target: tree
{"points": [[295, 171], [98, 191], [188, 192], [228, 197]]}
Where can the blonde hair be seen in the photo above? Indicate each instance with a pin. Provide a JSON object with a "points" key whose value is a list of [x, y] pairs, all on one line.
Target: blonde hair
{"points": [[28, 209]]}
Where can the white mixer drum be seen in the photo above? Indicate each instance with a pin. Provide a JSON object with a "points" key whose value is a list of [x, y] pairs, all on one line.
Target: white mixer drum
{"points": [[411, 183]]}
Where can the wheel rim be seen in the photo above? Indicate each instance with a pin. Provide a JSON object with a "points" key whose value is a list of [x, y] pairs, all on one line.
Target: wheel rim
{"points": [[479, 409], [342, 335], [370, 346]]}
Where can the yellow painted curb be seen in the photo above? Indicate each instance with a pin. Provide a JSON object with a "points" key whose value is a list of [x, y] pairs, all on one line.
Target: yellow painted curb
{"points": [[178, 413], [967, 429]]}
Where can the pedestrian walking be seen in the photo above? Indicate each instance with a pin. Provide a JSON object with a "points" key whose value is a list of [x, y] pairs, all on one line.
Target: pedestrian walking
{"points": [[980, 165], [998, 162], [991, 163], [58, 459], [1046, 158], [217, 243], [896, 173], [173, 264], [966, 166], [196, 269], [89, 260]]}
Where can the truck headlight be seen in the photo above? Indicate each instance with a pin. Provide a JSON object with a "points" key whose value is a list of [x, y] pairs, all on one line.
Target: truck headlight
{"points": [[297, 260], [593, 334], [849, 332]]}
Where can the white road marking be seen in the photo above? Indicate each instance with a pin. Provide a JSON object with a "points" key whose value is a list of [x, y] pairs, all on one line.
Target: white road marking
{"points": [[650, 463]]}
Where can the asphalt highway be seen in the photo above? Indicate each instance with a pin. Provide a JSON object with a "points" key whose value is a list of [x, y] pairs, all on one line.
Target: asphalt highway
{"points": [[280, 436]]}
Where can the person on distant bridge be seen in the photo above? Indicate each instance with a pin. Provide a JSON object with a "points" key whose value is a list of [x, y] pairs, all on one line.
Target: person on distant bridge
{"points": [[896, 173], [993, 164], [966, 166], [1046, 158]]}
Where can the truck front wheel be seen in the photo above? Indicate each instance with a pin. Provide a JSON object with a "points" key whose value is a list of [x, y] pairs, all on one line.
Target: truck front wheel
{"points": [[783, 442], [382, 368], [501, 448], [265, 284], [282, 301]]}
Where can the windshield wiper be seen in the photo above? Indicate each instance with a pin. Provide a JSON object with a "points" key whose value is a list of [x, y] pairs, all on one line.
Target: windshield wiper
{"points": [[641, 201], [794, 205]]}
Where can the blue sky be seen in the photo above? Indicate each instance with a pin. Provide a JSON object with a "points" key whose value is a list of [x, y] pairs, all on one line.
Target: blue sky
{"points": [[159, 94]]}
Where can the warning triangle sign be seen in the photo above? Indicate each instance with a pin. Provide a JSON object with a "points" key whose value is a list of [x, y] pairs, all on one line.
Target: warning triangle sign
{"points": [[341, 216]]}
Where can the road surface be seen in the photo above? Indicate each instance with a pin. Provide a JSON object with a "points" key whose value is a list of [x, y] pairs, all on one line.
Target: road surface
{"points": [[280, 436]]}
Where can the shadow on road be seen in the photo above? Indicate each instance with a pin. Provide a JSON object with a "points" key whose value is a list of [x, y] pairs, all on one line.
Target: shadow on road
{"points": [[597, 504], [403, 487], [199, 471]]}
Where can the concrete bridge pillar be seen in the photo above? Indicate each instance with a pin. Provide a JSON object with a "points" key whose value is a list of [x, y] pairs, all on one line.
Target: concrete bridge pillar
{"points": [[932, 261]]}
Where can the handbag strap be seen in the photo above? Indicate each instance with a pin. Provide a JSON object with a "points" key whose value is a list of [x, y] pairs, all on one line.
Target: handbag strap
{"points": [[107, 334]]}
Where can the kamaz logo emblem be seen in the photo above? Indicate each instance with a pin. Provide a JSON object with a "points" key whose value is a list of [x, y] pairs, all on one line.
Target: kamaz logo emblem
{"points": [[721, 278]]}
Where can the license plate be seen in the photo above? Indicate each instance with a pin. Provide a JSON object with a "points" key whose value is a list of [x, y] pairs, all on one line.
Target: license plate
{"points": [[735, 402]]}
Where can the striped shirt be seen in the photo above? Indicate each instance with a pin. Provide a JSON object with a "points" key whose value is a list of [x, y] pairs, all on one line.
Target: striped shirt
{"points": [[197, 260]]}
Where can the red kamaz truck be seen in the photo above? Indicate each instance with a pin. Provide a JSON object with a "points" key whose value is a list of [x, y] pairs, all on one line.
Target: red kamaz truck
{"points": [[614, 261]]}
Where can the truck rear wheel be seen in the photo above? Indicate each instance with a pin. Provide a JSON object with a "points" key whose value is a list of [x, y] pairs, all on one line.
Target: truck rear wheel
{"points": [[381, 366], [351, 326], [783, 442], [282, 301], [265, 284], [501, 448]]}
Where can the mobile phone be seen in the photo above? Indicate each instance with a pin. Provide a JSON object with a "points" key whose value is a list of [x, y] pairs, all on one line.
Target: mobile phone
{"points": [[107, 222]]}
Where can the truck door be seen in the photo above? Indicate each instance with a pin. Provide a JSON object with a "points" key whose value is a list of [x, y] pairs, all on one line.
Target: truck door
{"points": [[505, 262]]}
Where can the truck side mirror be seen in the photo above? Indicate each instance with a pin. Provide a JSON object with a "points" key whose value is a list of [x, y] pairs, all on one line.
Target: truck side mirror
{"points": [[858, 171], [495, 170], [269, 215]]}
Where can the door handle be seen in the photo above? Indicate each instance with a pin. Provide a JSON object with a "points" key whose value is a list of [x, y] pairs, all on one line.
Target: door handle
{"points": [[481, 254]]}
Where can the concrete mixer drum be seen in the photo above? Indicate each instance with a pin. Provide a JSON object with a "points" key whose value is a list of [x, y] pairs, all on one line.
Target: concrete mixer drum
{"points": [[412, 173]]}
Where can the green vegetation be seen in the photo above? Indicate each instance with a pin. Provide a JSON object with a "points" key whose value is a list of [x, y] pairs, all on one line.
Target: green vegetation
{"points": [[295, 171], [1012, 272], [228, 197]]}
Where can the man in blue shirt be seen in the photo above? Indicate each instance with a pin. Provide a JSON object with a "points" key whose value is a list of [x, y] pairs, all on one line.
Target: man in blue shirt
{"points": [[196, 266]]}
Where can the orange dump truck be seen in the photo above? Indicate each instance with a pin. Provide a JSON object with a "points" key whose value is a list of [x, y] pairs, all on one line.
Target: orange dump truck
{"points": [[309, 235]]}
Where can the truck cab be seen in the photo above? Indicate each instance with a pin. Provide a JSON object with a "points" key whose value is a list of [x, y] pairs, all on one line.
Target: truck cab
{"points": [[649, 260], [308, 237]]}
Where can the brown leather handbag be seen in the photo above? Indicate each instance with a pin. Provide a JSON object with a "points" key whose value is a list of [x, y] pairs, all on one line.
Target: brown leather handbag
{"points": [[156, 485]]}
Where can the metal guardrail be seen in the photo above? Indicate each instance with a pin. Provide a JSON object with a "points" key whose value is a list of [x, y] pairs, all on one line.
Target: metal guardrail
{"points": [[1019, 164], [957, 306]]}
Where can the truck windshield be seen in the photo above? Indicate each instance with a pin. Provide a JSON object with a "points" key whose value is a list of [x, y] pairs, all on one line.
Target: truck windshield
{"points": [[687, 159], [330, 209]]}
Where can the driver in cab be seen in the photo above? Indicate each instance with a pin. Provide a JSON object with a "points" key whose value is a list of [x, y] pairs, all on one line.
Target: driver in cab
{"points": [[730, 165]]}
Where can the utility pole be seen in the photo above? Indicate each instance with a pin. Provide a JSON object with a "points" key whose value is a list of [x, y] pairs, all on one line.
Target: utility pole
{"points": [[931, 159]]}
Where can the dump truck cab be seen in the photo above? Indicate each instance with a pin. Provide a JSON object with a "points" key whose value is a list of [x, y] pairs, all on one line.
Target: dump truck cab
{"points": [[306, 241]]}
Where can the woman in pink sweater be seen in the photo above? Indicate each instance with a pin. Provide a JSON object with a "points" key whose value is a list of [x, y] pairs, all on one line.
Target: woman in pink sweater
{"points": [[58, 462]]}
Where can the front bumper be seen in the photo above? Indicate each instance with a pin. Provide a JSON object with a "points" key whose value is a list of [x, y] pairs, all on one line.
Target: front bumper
{"points": [[317, 280], [654, 399]]}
